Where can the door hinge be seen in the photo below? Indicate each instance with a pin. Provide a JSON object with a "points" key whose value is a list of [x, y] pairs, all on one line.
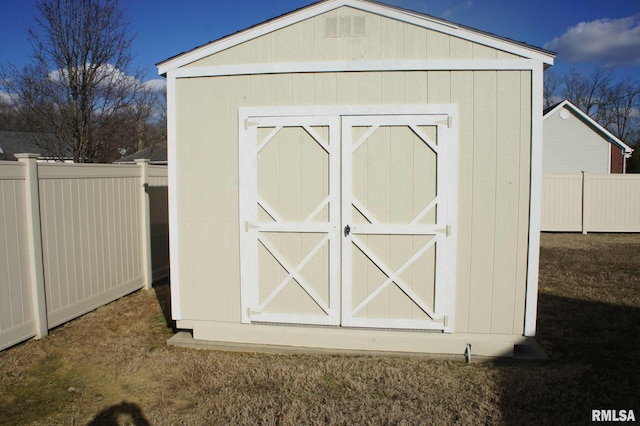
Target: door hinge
{"points": [[444, 320], [446, 230], [248, 226], [248, 123], [448, 121]]}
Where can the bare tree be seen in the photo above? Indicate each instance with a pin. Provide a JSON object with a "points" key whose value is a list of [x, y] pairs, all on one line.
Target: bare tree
{"points": [[80, 85], [588, 92], [612, 102], [622, 107], [550, 88]]}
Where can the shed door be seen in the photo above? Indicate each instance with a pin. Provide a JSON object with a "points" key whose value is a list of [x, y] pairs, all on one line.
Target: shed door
{"points": [[394, 213], [290, 212], [344, 220]]}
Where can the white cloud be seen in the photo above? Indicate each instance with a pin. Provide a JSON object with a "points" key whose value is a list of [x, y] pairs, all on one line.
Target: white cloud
{"points": [[7, 98], [455, 9], [107, 75], [157, 85], [609, 42]]}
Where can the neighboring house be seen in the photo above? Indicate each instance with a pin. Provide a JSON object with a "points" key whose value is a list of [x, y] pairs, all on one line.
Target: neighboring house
{"points": [[356, 176], [12, 142], [574, 143], [157, 154]]}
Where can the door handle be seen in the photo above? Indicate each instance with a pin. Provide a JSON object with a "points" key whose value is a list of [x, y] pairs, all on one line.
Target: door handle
{"points": [[347, 230]]}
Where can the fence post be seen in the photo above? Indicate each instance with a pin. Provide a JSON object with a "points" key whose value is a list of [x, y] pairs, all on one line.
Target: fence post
{"points": [[34, 236], [145, 220], [586, 199]]}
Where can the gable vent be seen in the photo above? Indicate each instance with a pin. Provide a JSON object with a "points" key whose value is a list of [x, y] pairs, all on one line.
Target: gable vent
{"points": [[345, 26]]}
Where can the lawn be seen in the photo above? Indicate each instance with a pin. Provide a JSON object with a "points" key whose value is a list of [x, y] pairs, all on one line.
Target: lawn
{"points": [[113, 366]]}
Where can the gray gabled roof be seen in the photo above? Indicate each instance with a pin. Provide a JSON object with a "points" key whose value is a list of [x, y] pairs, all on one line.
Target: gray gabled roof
{"points": [[13, 142]]}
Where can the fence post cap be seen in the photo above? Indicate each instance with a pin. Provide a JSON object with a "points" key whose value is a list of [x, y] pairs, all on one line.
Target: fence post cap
{"points": [[26, 155]]}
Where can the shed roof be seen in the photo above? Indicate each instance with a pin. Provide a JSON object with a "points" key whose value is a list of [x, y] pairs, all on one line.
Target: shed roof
{"points": [[604, 133], [394, 12]]}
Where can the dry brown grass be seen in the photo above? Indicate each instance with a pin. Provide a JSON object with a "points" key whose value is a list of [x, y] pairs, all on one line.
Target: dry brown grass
{"points": [[112, 366]]}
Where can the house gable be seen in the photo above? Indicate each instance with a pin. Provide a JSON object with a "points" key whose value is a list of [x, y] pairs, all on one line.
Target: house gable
{"points": [[574, 142]]}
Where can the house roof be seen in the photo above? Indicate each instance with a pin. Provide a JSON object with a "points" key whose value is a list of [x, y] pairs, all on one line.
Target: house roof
{"points": [[157, 154], [314, 9], [590, 122], [12, 142]]}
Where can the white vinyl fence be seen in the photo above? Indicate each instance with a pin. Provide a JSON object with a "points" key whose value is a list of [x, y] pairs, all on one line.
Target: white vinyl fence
{"points": [[584, 203], [74, 237]]}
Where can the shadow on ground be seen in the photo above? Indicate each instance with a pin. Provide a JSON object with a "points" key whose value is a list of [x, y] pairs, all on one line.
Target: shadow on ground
{"points": [[594, 351], [163, 293], [124, 413]]}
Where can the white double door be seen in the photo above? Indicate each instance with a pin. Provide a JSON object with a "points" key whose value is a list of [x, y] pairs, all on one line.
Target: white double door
{"points": [[345, 220]]}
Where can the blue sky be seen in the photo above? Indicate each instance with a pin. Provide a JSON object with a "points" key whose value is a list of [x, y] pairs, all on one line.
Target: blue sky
{"points": [[585, 33]]}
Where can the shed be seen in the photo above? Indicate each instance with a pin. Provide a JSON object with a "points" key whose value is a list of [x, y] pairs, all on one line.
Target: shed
{"points": [[356, 176], [574, 143]]}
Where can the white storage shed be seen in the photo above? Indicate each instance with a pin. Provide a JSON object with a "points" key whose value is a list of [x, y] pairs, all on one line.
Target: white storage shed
{"points": [[355, 176]]}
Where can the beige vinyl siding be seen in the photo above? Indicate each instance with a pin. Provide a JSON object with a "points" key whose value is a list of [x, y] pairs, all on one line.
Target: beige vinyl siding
{"points": [[494, 147], [573, 146], [16, 313], [385, 39]]}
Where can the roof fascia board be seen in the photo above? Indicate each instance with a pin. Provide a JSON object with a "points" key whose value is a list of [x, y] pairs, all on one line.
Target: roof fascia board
{"points": [[379, 9], [351, 66], [604, 132]]}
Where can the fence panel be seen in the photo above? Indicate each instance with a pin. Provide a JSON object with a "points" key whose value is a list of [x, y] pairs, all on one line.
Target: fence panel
{"points": [[16, 313], [562, 202], [614, 203], [90, 236], [590, 203], [75, 237]]}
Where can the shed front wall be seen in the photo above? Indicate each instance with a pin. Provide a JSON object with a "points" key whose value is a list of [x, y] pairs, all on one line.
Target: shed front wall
{"points": [[494, 180]]}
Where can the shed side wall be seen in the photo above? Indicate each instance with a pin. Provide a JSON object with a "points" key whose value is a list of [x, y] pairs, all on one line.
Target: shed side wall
{"points": [[494, 147]]}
